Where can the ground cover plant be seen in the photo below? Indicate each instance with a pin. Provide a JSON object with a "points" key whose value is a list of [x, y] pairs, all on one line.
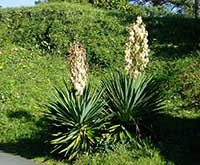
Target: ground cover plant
{"points": [[30, 70]]}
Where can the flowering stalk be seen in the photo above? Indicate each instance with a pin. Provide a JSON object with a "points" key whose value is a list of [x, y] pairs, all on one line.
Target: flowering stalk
{"points": [[136, 53], [78, 66]]}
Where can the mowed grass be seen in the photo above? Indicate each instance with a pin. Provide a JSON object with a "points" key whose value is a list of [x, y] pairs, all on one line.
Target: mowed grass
{"points": [[28, 78], [27, 82]]}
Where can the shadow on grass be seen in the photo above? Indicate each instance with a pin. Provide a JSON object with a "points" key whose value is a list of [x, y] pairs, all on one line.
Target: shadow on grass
{"points": [[28, 148], [35, 146], [173, 37], [20, 114], [179, 139]]}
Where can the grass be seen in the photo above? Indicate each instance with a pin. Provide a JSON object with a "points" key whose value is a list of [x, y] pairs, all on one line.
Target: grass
{"points": [[27, 81], [121, 155], [28, 77]]}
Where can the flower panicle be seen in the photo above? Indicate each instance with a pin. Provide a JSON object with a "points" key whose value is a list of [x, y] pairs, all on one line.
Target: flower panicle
{"points": [[136, 53], [78, 66]]}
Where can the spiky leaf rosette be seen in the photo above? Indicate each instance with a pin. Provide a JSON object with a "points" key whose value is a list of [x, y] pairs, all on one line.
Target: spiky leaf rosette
{"points": [[77, 121], [131, 103]]}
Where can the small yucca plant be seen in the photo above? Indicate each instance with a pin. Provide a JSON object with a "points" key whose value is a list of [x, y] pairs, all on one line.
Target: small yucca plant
{"points": [[131, 103]]}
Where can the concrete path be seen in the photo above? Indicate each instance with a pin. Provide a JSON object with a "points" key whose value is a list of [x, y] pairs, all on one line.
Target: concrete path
{"points": [[10, 159]]}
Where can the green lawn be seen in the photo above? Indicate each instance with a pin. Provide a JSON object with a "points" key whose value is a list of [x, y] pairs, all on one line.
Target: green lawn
{"points": [[28, 78]]}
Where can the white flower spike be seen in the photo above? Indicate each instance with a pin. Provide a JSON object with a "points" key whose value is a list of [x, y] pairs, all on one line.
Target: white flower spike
{"points": [[136, 53], [78, 66]]}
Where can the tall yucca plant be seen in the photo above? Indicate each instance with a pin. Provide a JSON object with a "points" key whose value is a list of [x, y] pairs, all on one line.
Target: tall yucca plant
{"points": [[76, 113], [131, 103]]}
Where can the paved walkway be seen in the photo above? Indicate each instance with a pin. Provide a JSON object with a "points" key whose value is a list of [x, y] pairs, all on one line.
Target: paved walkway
{"points": [[10, 159]]}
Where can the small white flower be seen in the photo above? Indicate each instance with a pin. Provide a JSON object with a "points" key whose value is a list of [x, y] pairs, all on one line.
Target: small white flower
{"points": [[139, 20]]}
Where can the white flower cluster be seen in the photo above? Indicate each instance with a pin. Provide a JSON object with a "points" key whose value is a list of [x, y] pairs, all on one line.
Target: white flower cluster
{"points": [[136, 53], [78, 66]]}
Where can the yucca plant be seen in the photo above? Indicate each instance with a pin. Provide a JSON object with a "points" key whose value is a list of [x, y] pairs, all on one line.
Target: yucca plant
{"points": [[131, 102], [77, 121], [76, 113]]}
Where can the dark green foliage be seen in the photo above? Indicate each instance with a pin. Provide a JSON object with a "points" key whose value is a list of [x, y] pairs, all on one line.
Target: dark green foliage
{"points": [[132, 103], [175, 36], [187, 5], [107, 4], [73, 1], [121, 5], [77, 121]]}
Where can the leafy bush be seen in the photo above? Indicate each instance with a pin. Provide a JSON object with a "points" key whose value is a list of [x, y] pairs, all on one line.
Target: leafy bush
{"points": [[132, 104], [74, 1], [77, 121], [114, 4], [121, 5]]}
